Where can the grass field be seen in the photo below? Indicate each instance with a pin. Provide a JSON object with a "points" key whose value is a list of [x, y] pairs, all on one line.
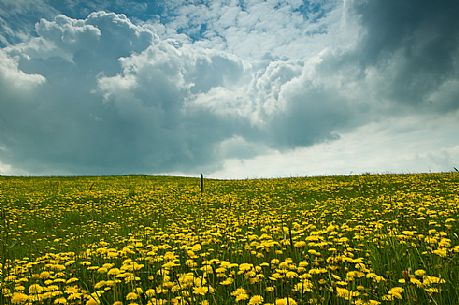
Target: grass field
{"points": [[382, 239]]}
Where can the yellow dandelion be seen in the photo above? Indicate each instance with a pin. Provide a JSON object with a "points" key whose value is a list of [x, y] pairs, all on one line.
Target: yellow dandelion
{"points": [[196, 248], [74, 296], [19, 298], [200, 290], [72, 280], [420, 272], [93, 301], [60, 300], [113, 272], [299, 244], [227, 282], [35, 289], [416, 282], [285, 301], [150, 293], [45, 275], [440, 252], [240, 294], [256, 300], [132, 296], [396, 292]]}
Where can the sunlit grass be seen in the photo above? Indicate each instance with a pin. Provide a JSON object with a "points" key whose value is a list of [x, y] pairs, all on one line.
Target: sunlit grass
{"points": [[385, 239]]}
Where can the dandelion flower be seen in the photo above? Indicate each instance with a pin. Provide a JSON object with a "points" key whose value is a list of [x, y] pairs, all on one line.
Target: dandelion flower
{"points": [[286, 301], [60, 300], [35, 288], [420, 272], [19, 298], [240, 294], [396, 292], [256, 300], [132, 296]]}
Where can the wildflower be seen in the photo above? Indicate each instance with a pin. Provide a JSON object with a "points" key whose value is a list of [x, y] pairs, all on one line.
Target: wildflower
{"points": [[45, 275], [74, 296], [93, 301], [299, 244], [131, 296], [245, 267], [396, 292], [71, 280], [227, 282], [35, 288], [150, 293], [19, 298], [240, 294], [286, 301], [346, 294], [200, 290], [369, 302], [60, 300], [420, 272], [256, 300], [113, 272], [416, 282], [196, 248], [431, 290], [291, 274], [440, 252], [428, 280]]}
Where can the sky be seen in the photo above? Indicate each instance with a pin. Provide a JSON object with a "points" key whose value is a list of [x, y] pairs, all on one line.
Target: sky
{"points": [[230, 89]]}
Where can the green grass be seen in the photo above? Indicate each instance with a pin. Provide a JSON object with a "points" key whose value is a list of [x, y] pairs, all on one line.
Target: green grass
{"points": [[352, 238]]}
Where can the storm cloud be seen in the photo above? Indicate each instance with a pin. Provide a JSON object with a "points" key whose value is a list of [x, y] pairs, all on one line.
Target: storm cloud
{"points": [[188, 87]]}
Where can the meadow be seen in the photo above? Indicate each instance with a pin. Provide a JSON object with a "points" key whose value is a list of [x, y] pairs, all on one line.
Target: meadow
{"points": [[368, 239]]}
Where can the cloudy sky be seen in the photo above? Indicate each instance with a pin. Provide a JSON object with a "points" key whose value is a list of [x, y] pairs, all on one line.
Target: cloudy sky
{"points": [[232, 88]]}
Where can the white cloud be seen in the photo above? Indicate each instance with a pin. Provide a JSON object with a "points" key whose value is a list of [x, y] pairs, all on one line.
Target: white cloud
{"points": [[11, 76]]}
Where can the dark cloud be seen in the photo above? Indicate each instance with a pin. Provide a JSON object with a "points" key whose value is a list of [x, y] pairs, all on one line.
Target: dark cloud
{"points": [[311, 116], [415, 44]]}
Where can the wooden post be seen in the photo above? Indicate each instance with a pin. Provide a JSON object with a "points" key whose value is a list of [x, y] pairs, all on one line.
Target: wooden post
{"points": [[202, 184]]}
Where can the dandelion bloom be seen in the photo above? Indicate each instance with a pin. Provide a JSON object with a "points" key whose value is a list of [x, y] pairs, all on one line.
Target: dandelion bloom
{"points": [[240, 294], [256, 300], [132, 296], [286, 301], [19, 298], [60, 300], [420, 272], [200, 290], [396, 292], [93, 301], [35, 288]]}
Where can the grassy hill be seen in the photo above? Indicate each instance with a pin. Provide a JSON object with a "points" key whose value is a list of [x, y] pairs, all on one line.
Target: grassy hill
{"points": [[370, 239]]}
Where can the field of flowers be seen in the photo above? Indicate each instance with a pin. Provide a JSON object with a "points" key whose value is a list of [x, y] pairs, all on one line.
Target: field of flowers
{"points": [[382, 239]]}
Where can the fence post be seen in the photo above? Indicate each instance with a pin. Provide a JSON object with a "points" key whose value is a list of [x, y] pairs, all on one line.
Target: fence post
{"points": [[202, 184]]}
